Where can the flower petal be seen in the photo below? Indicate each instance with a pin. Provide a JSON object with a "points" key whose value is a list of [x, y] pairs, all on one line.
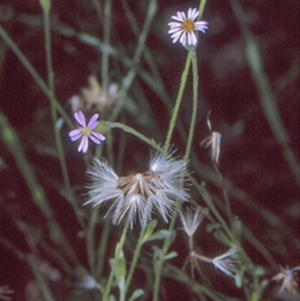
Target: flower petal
{"points": [[75, 134], [93, 122], [79, 116], [183, 16], [84, 144], [193, 14], [182, 39], [176, 36], [201, 26], [172, 30], [174, 25], [97, 137]]}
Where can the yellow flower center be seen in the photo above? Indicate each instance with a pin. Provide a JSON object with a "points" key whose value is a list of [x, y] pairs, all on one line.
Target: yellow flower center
{"points": [[188, 26], [86, 132]]}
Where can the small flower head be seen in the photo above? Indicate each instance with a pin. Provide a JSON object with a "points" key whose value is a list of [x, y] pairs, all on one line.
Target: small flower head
{"points": [[94, 97], [85, 132], [287, 276], [192, 219], [99, 96], [225, 263], [214, 142], [185, 26], [139, 195]]}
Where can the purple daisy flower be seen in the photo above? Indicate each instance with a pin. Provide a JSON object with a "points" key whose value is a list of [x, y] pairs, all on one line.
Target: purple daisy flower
{"points": [[86, 131], [185, 26]]}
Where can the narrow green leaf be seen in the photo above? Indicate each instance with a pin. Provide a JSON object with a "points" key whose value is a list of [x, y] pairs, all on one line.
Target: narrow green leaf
{"points": [[137, 293], [162, 234], [149, 230], [170, 256]]}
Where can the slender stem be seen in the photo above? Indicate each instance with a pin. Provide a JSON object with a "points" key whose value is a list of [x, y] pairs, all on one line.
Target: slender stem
{"points": [[132, 131], [201, 257], [127, 81], [10, 138], [47, 90], [191, 56], [201, 8], [43, 86], [264, 89], [224, 191], [135, 258], [196, 286], [195, 106], [207, 198], [178, 102], [105, 54], [167, 242], [157, 273], [165, 248], [47, 31], [90, 239], [43, 285], [113, 269], [102, 249]]}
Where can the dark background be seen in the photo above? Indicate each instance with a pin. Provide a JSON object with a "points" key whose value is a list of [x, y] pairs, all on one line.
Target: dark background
{"points": [[251, 159]]}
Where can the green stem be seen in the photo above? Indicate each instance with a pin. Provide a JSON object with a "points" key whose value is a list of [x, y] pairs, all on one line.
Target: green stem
{"points": [[43, 285], [200, 289], [264, 89], [102, 249], [118, 253], [90, 238], [127, 81], [132, 131], [201, 8], [105, 55], [43, 86], [166, 245], [178, 102], [195, 106], [46, 4], [191, 56], [208, 200], [168, 241], [10, 138], [47, 33], [135, 258]]}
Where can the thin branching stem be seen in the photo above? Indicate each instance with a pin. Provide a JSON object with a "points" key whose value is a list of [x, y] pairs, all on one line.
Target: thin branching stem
{"points": [[128, 79], [174, 117], [115, 263], [201, 8], [132, 131], [224, 191], [100, 259], [136, 255], [40, 82], [195, 106], [105, 54], [265, 92], [46, 5]]}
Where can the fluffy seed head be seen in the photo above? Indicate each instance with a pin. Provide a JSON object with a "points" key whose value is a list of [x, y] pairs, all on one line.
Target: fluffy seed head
{"points": [[137, 196]]}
